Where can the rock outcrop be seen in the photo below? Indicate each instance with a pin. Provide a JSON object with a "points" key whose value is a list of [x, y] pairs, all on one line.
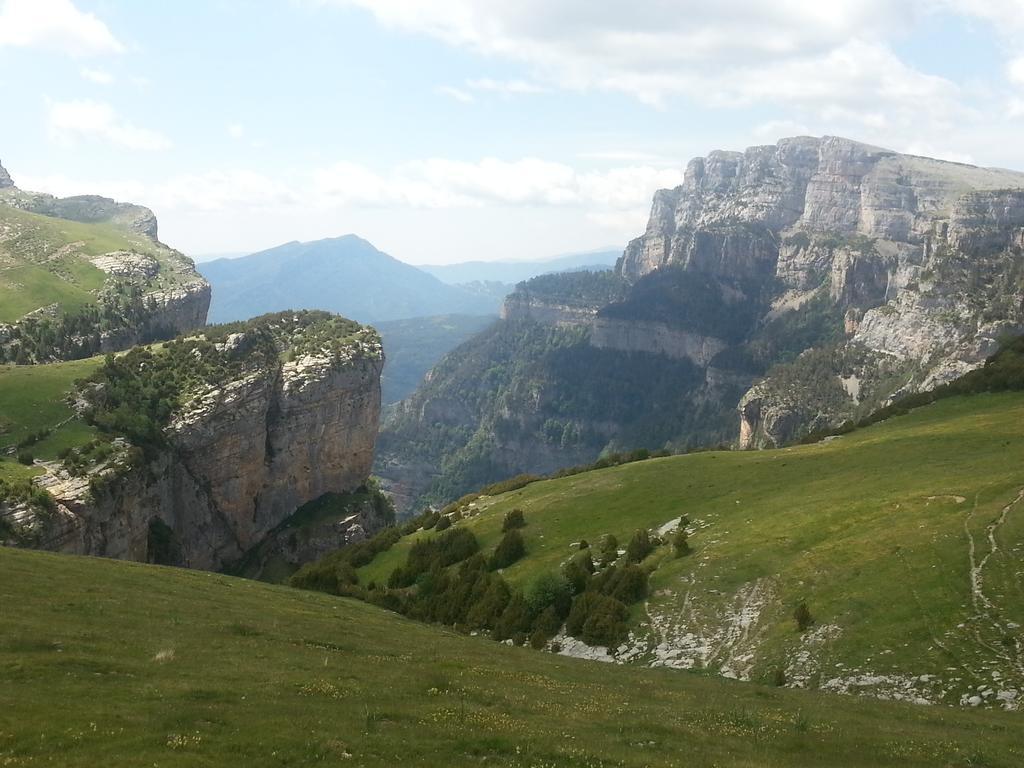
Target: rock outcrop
{"points": [[916, 254], [238, 459], [5, 178]]}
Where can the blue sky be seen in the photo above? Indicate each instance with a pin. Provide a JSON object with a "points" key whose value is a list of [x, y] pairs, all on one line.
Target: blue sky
{"points": [[458, 129]]}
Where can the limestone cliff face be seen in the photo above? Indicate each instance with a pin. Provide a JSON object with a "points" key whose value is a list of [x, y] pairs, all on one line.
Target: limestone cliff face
{"points": [[655, 337], [921, 256], [239, 459], [523, 306]]}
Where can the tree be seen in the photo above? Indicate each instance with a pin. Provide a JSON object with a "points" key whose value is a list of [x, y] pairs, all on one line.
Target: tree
{"points": [[609, 550], [681, 542], [803, 617], [639, 546], [513, 519], [509, 549]]}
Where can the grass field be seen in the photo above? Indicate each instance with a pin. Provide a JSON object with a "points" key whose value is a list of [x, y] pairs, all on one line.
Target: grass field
{"points": [[37, 268], [903, 539], [34, 398], [45, 260], [112, 663]]}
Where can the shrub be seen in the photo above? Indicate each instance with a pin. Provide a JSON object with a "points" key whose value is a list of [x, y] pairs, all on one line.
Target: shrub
{"points": [[629, 585], [443, 524], [606, 623], [509, 549], [578, 571], [513, 519], [549, 590], [609, 550], [680, 542], [639, 546], [26, 458], [802, 616]]}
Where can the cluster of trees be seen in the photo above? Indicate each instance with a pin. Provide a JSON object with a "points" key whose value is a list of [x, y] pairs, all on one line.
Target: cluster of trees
{"points": [[447, 579], [122, 307], [587, 288]]}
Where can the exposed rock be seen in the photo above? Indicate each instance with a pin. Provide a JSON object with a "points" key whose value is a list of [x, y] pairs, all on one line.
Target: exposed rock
{"points": [[917, 253], [655, 337], [523, 306], [241, 458], [5, 178]]}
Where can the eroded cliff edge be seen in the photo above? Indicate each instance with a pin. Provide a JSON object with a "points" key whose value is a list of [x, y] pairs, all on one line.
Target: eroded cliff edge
{"points": [[261, 418], [920, 258]]}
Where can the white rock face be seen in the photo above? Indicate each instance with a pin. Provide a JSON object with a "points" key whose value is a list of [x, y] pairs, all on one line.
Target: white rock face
{"points": [[917, 252]]}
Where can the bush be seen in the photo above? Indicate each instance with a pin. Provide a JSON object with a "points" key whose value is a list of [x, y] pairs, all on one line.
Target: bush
{"points": [[549, 590], [509, 550], [629, 585], [578, 571], [639, 546], [605, 622], [26, 458], [513, 519], [609, 550], [681, 542], [443, 524], [802, 616]]}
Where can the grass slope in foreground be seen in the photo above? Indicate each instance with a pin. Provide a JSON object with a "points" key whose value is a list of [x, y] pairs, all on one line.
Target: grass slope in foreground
{"points": [[905, 539], [112, 663]]}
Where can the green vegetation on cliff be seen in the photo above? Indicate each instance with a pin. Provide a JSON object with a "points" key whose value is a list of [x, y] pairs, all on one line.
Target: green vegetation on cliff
{"points": [[136, 664], [520, 384]]}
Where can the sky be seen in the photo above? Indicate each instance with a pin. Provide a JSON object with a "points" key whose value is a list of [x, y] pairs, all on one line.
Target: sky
{"points": [[454, 130]]}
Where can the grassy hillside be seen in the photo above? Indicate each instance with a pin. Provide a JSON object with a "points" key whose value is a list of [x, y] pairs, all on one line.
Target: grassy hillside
{"points": [[82, 275], [905, 540], [112, 663], [45, 261], [35, 405]]}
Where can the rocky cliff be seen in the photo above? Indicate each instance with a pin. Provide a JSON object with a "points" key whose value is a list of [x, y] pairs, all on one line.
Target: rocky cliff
{"points": [[922, 258], [277, 414], [101, 279]]}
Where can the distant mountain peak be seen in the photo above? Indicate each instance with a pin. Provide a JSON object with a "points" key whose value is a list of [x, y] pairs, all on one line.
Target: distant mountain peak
{"points": [[5, 178]]}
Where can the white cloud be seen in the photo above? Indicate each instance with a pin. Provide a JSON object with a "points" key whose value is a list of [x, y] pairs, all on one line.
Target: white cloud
{"points": [[504, 86], [70, 122], [56, 25], [621, 193], [1006, 15], [236, 130], [1015, 70], [98, 76], [731, 51], [456, 93], [442, 183]]}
